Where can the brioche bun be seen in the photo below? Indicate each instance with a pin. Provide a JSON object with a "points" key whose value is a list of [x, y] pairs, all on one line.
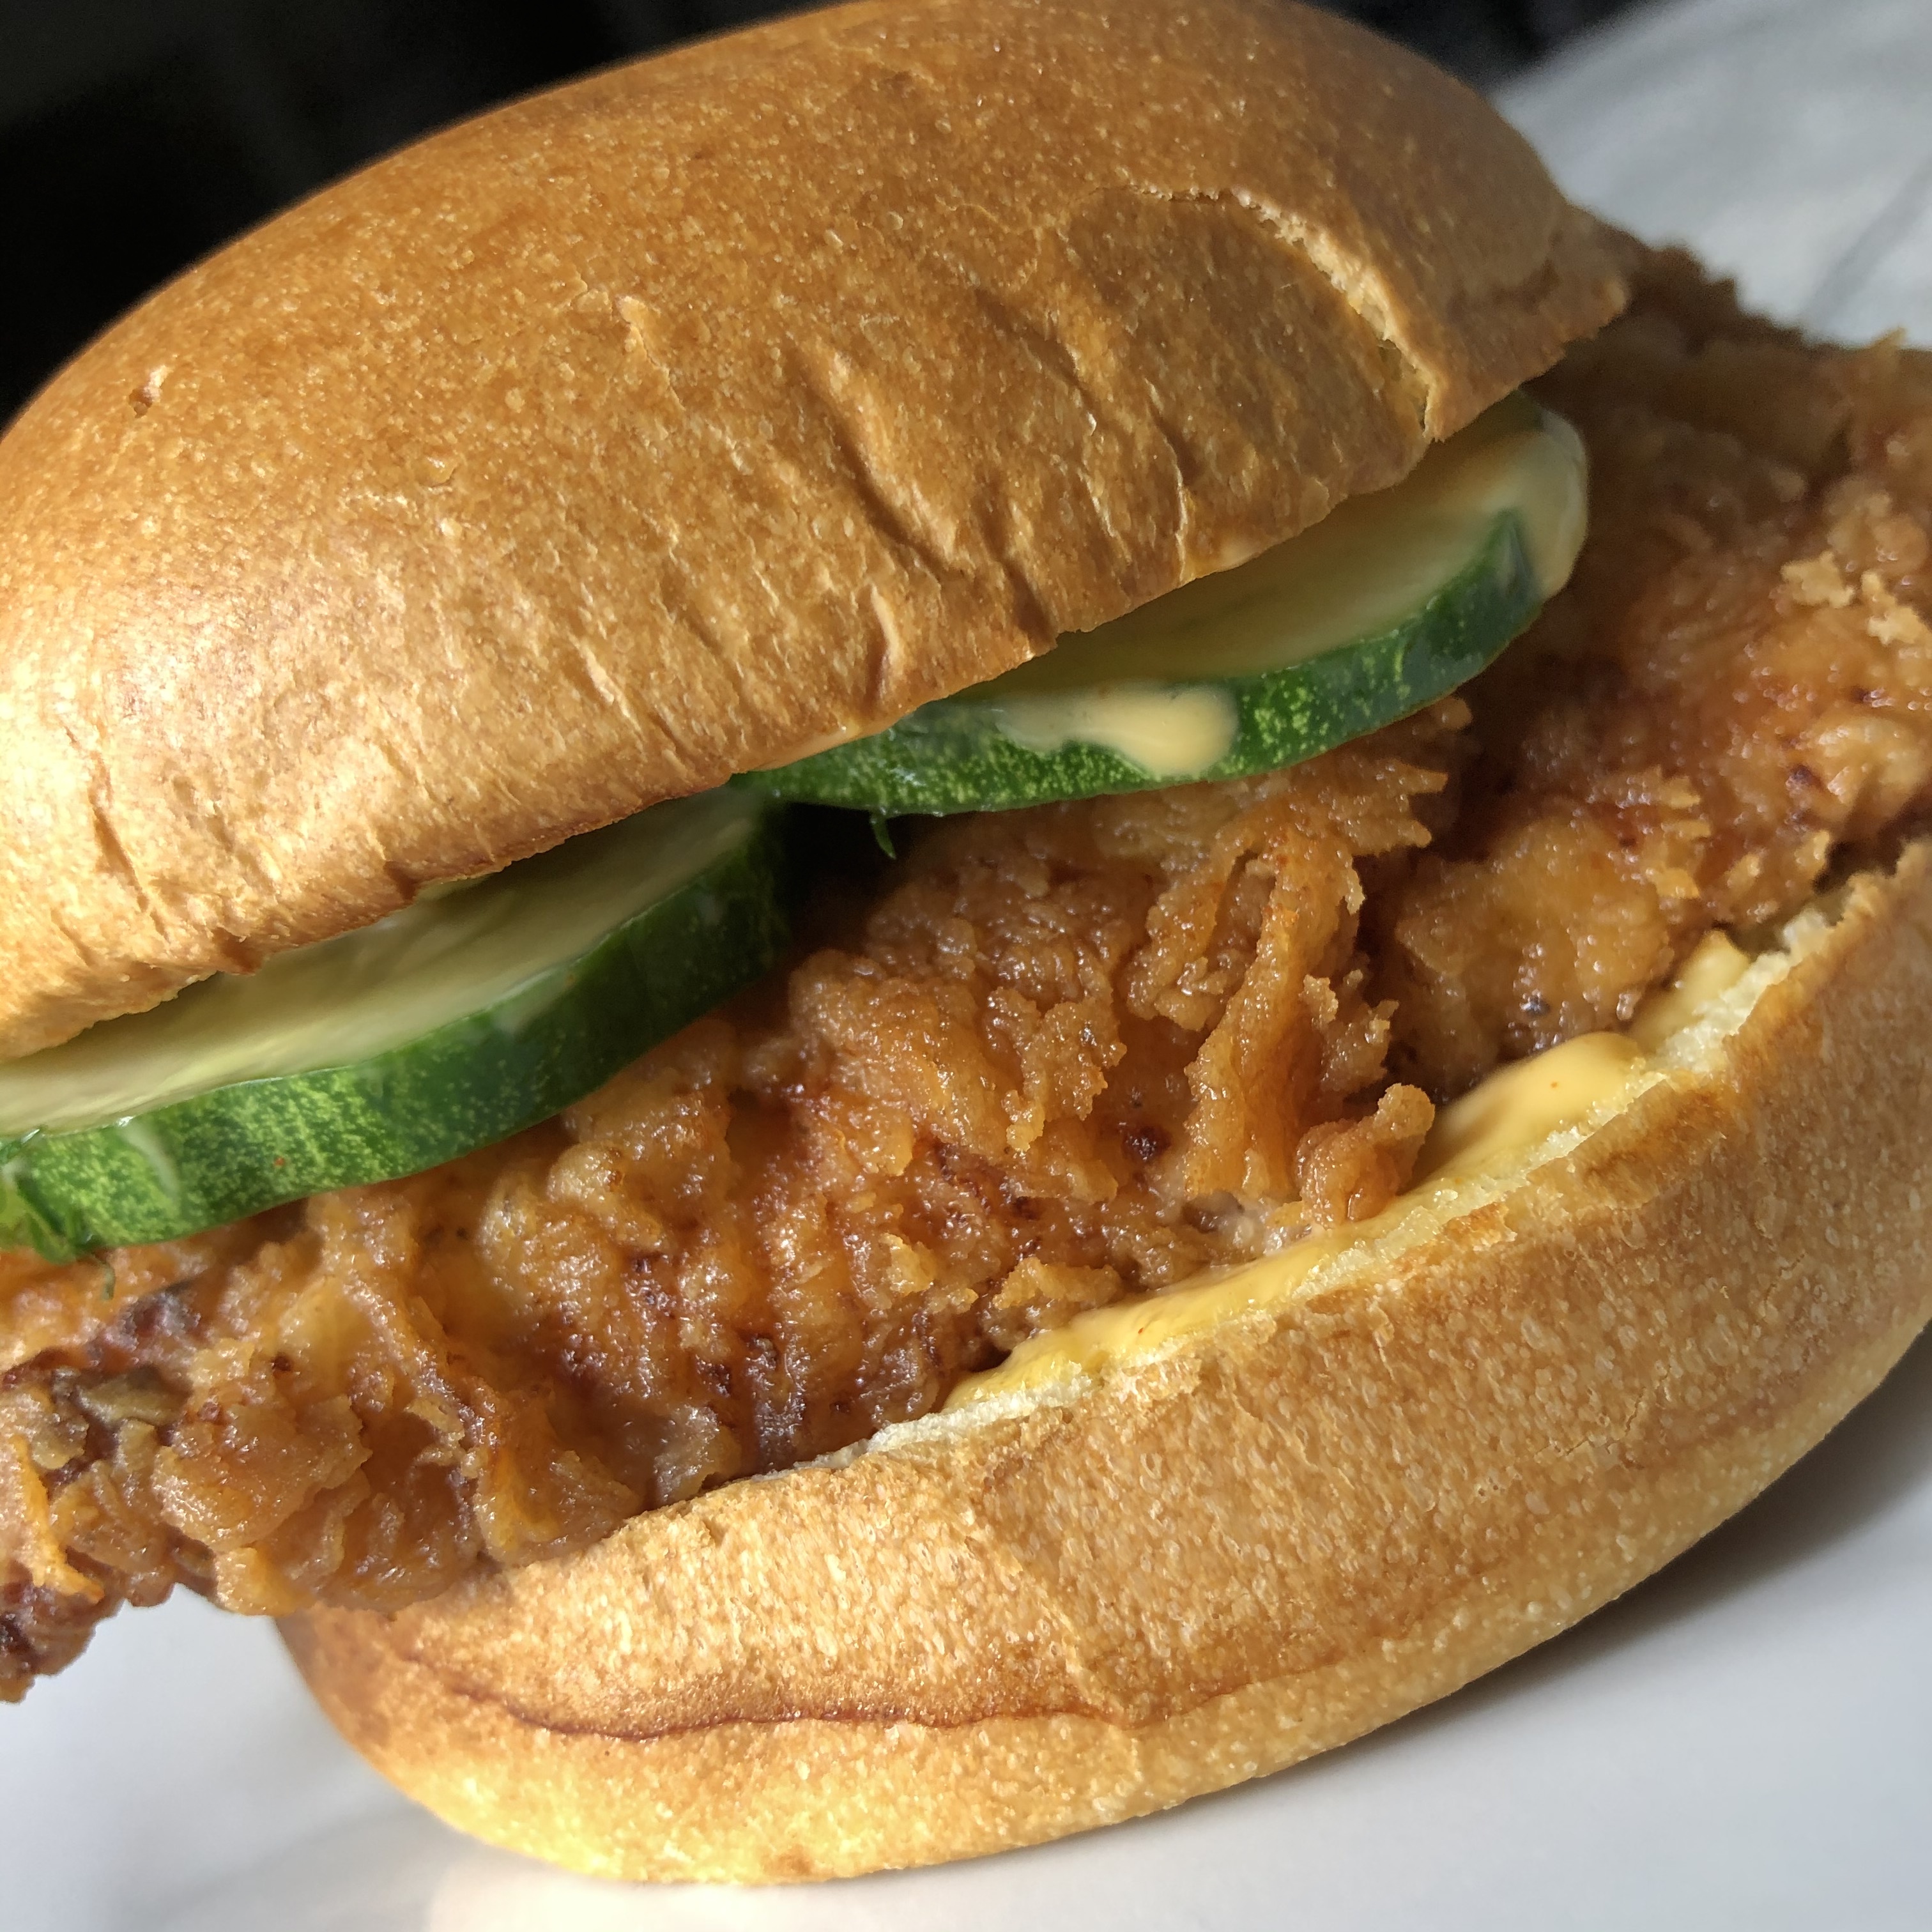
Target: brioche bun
{"points": [[701, 413], [1119, 1589]]}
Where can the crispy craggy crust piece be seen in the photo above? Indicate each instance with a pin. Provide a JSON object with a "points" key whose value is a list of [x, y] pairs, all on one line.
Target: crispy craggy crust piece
{"points": [[671, 423], [1012, 1622], [1736, 684]]}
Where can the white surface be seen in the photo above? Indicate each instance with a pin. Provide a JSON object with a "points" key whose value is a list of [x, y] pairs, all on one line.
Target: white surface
{"points": [[1788, 141], [1745, 1742]]}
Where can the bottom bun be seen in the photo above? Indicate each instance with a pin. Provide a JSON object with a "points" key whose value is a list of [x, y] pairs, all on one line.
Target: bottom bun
{"points": [[1110, 1591]]}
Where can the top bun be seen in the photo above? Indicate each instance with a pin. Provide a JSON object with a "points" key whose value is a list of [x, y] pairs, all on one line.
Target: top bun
{"points": [[701, 413]]}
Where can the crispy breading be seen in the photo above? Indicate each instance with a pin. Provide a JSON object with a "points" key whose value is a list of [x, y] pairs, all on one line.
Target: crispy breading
{"points": [[1060, 1056]]}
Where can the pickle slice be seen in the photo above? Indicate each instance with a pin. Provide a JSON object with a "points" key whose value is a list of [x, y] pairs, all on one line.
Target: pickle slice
{"points": [[465, 1017], [1391, 601]]}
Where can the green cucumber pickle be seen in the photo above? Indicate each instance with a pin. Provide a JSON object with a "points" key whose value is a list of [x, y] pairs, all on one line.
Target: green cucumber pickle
{"points": [[954, 756], [490, 1068], [1388, 604]]}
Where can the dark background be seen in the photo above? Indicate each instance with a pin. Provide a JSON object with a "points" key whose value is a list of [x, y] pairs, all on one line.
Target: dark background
{"points": [[137, 134]]}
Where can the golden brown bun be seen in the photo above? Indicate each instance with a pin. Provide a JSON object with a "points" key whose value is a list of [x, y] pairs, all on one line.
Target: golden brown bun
{"points": [[1007, 1623], [678, 420]]}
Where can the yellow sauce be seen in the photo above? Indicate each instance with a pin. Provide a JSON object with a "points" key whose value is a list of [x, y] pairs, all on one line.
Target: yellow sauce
{"points": [[1169, 731], [1489, 1131], [1711, 972], [1497, 1122]]}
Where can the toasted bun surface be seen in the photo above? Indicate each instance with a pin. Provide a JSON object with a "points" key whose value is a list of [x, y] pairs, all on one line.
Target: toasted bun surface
{"points": [[1011, 1622], [701, 412]]}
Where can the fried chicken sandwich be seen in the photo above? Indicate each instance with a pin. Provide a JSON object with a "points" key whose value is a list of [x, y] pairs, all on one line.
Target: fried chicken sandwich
{"points": [[1374, 1093]]}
